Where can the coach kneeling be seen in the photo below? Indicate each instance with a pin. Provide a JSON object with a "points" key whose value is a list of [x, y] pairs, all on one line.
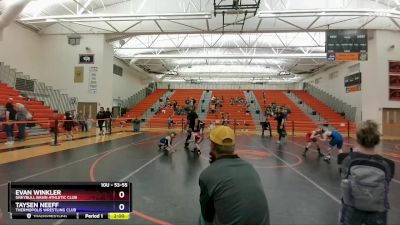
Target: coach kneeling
{"points": [[231, 189]]}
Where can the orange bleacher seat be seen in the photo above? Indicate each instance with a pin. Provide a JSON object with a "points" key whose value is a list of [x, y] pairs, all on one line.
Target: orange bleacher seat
{"points": [[144, 105], [236, 112], [180, 95], [39, 111], [332, 117], [297, 119]]}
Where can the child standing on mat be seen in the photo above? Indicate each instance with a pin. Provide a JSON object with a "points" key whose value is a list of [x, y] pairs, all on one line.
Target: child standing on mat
{"points": [[196, 138], [335, 142], [311, 138], [166, 143]]}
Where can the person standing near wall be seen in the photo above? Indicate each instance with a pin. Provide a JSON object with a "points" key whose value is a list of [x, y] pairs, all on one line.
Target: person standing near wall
{"points": [[82, 121], [10, 116], [108, 121], [100, 120], [231, 191], [22, 115]]}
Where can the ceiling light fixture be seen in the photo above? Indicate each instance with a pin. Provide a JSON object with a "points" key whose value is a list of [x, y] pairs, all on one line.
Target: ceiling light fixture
{"points": [[116, 17]]}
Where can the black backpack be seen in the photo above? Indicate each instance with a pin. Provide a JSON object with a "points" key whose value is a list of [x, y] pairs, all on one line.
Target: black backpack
{"points": [[365, 182]]}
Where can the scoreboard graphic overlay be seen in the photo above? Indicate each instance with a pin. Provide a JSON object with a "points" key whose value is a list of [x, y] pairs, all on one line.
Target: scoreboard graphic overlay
{"points": [[69, 200]]}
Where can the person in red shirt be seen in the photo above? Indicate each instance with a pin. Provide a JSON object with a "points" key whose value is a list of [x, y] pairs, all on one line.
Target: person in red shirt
{"points": [[311, 138]]}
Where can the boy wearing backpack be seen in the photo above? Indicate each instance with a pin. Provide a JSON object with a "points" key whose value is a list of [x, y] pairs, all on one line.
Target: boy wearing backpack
{"points": [[365, 180]]}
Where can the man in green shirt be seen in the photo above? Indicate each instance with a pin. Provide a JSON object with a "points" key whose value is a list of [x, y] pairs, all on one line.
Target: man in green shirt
{"points": [[231, 189]]}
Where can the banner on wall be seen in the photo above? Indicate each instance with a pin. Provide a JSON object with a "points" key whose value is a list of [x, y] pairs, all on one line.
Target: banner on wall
{"points": [[394, 80], [78, 74], [353, 82], [93, 80]]}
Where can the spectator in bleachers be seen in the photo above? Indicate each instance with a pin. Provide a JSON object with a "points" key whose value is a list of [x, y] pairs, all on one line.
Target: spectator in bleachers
{"points": [[247, 108], [223, 119], [232, 101], [212, 125], [273, 106], [194, 103], [9, 128], [82, 121], [212, 108], [170, 123], [22, 115]]}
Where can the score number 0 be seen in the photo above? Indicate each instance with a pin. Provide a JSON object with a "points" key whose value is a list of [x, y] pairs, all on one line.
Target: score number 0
{"points": [[121, 195]]}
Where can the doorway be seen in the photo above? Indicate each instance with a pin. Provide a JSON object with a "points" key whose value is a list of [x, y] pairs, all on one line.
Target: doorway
{"points": [[391, 122], [89, 109]]}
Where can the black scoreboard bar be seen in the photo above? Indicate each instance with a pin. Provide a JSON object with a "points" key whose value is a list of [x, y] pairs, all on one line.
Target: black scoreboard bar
{"points": [[69, 200]]}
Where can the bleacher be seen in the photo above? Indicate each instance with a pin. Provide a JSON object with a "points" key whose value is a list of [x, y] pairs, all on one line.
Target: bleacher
{"points": [[332, 117], [40, 112], [297, 119], [160, 119], [237, 112], [145, 104]]}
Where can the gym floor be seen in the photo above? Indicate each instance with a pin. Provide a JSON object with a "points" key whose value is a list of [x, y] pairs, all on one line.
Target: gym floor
{"points": [[165, 187]]}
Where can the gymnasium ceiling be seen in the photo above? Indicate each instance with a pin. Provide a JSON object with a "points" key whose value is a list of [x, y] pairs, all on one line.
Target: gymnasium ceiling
{"points": [[192, 41]]}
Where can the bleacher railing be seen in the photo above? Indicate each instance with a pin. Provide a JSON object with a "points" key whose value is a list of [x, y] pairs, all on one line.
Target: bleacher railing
{"points": [[333, 102], [293, 128], [139, 96]]}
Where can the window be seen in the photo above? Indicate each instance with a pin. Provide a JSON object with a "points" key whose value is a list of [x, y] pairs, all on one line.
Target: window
{"points": [[24, 85], [117, 70], [74, 41]]}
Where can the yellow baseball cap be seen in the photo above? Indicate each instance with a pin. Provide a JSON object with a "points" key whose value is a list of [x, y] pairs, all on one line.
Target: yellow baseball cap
{"points": [[223, 135]]}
